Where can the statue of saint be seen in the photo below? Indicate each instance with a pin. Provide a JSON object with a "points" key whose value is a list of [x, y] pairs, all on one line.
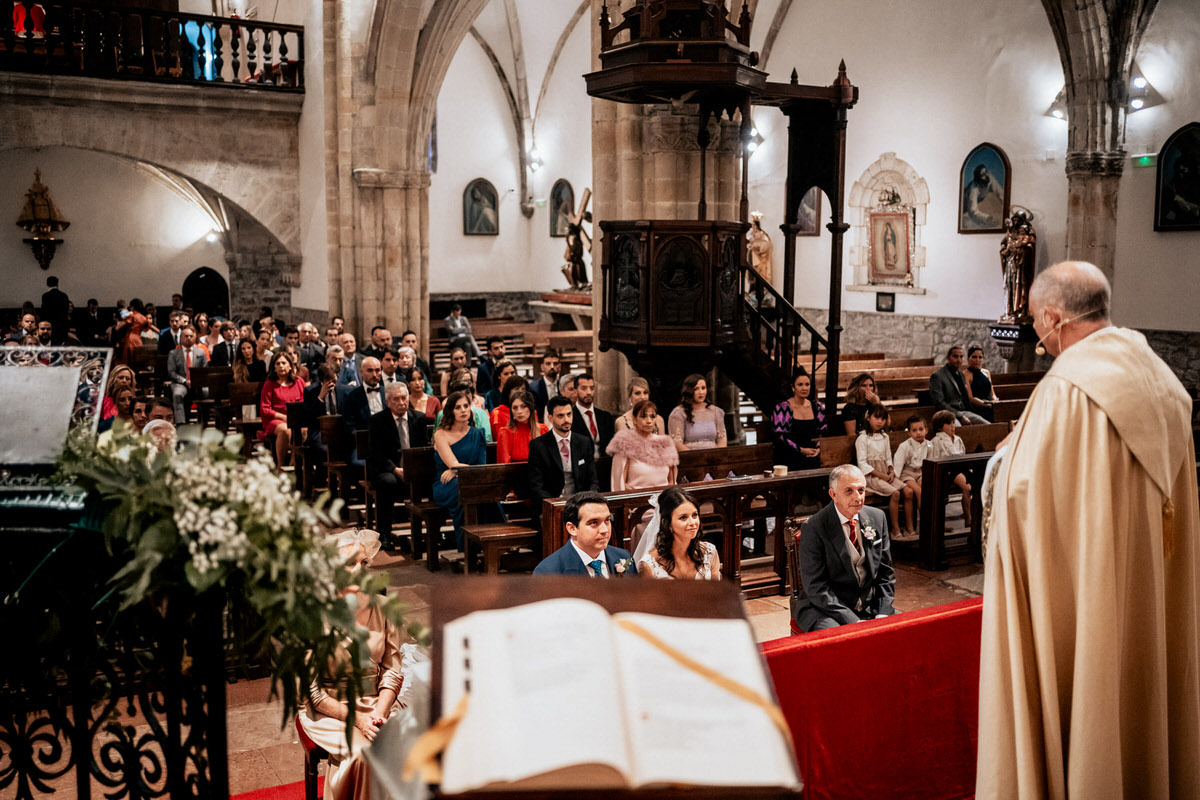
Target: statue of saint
{"points": [[759, 247], [1017, 252], [578, 241]]}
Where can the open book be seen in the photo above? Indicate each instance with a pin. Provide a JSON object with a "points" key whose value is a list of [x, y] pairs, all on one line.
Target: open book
{"points": [[561, 696]]}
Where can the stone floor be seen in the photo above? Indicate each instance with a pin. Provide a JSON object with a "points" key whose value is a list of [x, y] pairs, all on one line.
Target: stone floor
{"points": [[263, 754]]}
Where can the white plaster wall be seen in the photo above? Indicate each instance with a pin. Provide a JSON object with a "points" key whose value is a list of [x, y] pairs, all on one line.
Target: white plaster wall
{"points": [[476, 139], [1157, 276], [130, 235], [313, 291], [935, 80]]}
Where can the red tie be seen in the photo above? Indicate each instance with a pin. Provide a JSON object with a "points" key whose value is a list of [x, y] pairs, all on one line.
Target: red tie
{"points": [[566, 454], [854, 532], [592, 425]]}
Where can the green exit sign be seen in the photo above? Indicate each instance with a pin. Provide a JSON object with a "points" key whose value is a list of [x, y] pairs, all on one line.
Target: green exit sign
{"points": [[1148, 160]]}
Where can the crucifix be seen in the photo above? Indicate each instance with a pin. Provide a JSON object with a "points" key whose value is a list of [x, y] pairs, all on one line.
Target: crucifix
{"points": [[578, 241]]}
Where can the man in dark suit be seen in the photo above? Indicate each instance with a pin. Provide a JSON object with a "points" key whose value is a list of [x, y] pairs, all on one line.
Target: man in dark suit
{"points": [[487, 365], [948, 389], [589, 524], [352, 360], [168, 338], [546, 386], [396, 428], [845, 559], [312, 349], [54, 308], [596, 423], [89, 324], [225, 352], [561, 461], [324, 397]]}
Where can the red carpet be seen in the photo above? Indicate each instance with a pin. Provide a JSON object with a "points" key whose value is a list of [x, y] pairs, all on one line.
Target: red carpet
{"points": [[287, 791]]}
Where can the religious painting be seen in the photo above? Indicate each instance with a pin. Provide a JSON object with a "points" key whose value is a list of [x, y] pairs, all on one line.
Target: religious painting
{"points": [[885, 302], [808, 216], [480, 209], [1177, 195], [562, 206], [983, 196], [889, 246]]}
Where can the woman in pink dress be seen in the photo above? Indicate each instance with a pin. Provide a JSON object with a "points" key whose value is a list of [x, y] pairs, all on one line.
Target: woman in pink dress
{"points": [[642, 459], [281, 388]]}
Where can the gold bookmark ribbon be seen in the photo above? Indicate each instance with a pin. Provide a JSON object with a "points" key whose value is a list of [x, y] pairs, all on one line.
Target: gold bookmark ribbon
{"points": [[423, 757], [728, 684]]}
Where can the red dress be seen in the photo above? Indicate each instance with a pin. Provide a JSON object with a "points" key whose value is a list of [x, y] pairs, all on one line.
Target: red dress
{"points": [[512, 444], [274, 399], [133, 336]]}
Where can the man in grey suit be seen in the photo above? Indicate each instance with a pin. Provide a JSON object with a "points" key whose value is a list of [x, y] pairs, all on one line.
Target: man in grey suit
{"points": [[180, 363], [845, 559], [949, 391]]}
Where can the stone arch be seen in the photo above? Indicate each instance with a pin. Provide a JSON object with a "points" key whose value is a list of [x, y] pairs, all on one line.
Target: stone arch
{"points": [[262, 270], [254, 168], [911, 196]]}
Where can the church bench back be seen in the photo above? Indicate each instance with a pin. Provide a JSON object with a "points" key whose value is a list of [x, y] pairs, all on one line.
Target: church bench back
{"points": [[491, 483], [747, 459]]}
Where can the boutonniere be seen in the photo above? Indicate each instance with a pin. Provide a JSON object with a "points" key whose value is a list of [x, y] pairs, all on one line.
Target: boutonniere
{"points": [[622, 565], [869, 533]]}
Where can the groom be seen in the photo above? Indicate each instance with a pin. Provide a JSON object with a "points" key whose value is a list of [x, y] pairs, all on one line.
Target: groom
{"points": [[589, 524]]}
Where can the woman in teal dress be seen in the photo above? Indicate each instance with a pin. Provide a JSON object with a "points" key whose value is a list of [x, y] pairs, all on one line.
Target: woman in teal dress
{"points": [[455, 442]]}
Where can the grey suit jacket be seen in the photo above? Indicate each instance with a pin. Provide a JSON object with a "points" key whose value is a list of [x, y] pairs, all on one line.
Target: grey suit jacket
{"points": [[177, 366], [830, 588], [945, 392]]}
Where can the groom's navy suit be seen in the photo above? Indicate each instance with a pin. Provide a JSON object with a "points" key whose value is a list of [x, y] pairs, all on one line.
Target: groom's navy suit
{"points": [[566, 561]]}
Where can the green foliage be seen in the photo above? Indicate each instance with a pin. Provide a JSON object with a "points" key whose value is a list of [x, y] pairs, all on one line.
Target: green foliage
{"points": [[195, 518]]}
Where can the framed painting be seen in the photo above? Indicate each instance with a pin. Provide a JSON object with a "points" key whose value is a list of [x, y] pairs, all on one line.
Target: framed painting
{"points": [[890, 254], [480, 209], [983, 190], [562, 206], [1177, 187], [808, 216]]}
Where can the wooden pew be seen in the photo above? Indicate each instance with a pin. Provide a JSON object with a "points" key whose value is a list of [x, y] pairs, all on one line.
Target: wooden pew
{"points": [[426, 517], [240, 396], [210, 388], [937, 481], [732, 502], [718, 462], [982, 438], [492, 484]]}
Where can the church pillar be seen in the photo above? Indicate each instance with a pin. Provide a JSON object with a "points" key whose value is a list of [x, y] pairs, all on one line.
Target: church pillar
{"points": [[1093, 180]]}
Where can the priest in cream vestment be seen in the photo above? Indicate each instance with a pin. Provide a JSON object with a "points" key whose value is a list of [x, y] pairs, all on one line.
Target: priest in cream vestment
{"points": [[1089, 674]]}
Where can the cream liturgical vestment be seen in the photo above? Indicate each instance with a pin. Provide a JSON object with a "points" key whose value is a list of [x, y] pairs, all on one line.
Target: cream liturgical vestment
{"points": [[1089, 675]]}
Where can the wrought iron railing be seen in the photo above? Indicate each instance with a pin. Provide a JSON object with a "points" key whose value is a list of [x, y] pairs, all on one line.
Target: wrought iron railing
{"points": [[104, 41], [777, 330]]}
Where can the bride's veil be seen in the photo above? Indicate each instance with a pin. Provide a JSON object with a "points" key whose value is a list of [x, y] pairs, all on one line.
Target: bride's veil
{"points": [[649, 533]]}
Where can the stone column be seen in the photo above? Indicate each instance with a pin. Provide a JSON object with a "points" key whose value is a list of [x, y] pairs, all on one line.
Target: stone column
{"points": [[1093, 181]]}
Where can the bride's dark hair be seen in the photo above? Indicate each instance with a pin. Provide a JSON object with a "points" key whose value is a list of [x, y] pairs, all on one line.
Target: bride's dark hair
{"points": [[668, 501]]}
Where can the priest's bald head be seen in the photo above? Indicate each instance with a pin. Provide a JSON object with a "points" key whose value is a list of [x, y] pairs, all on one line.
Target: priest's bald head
{"points": [[1069, 301]]}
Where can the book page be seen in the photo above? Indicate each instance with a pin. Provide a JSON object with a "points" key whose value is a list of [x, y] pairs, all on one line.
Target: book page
{"points": [[542, 696], [683, 728]]}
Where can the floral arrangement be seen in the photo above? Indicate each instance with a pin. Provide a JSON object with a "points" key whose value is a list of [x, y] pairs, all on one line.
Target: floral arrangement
{"points": [[189, 517]]}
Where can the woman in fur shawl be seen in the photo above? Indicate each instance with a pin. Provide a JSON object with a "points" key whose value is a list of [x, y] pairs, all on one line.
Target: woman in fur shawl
{"points": [[642, 458]]}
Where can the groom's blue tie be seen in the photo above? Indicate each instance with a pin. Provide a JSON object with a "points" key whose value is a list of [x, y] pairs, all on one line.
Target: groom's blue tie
{"points": [[595, 565]]}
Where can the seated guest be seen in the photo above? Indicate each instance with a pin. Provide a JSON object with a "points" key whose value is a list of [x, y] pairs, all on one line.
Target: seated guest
{"points": [[200, 323], [860, 396], [675, 548], [168, 338], [947, 443], [352, 360], [390, 362], [798, 423], [381, 340], [907, 464], [224, 351], [495, 396], [121, 377], [589, 419], [561, 462], [139, 413], [522, 427], [247, 368], [696, 424], [948, 389], [406, 362], [457, 441], [588, 523], [326, 397], [312, 349], [392, 430], [642, 458], [180, 363], [366, 399], [283, 387], [980, 393], [264, 346], [160, 408], [545, 386], [334, 358], [873, 452], [161, 434], [423, 403], [639, 390], [409, 339], [458, 360], [499, 416], [567, 387], [323, 718], [845, 559], [458, 330], [485, 374], [122, 410], [463, 384]]}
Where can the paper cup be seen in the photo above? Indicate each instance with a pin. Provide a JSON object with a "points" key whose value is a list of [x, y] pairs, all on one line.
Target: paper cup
{"points": [[779, 470]]}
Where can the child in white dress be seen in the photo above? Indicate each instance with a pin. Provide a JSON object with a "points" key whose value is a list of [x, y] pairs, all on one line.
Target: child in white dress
{"points": [[910, 455], [873, 451], [946, 443]]}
